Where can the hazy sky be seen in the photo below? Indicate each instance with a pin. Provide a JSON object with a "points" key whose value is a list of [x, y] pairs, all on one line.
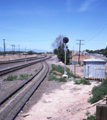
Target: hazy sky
{"points": [[35, 24]]}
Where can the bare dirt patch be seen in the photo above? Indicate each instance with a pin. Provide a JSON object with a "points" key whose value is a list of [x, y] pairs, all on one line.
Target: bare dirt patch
{"points": [[59, 101], [13, 57]]}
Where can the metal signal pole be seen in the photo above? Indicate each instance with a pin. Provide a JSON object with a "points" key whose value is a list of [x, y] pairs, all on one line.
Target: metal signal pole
{"points": [[65, 40], [79, 50]]}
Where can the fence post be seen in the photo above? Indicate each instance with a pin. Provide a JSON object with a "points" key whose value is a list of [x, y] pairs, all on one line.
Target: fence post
{"points": [[101, 112]]}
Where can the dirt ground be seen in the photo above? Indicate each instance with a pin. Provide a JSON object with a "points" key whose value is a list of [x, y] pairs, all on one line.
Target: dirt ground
{"points": [[70, 102], [67, 103], [13, 57]]}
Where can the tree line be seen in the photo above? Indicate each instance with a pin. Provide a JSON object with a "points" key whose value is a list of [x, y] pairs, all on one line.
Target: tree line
{"points": [[101, 51], [18, 52]]}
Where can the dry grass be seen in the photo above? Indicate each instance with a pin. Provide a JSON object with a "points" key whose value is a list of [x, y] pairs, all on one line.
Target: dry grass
{"points": [[12, 57]]}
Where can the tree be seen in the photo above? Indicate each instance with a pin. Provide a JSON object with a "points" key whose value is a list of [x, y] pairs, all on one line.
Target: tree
{"points": [[58, 46], [30, 52], [55, 51], [105, 51]]}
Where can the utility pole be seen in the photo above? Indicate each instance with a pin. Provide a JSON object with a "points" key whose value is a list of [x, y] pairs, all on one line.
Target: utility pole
{"points": [[4, 46], [19, 48], [79, 50], [12, 48]]}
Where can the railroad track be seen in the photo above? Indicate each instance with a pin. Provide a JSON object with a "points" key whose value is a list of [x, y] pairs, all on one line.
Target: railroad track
{"points": [[12, 105], [20, 60], [12, 63], [11, 69]]}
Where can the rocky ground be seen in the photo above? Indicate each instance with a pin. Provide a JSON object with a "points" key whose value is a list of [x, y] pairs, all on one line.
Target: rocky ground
{"points": [[6, 87]]}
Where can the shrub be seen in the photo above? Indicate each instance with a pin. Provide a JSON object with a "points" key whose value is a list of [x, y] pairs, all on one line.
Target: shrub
{"points": [[99, 92], [51, 77], [90, 117], [10, 78], [23, 77], [82, 81], [61, 70]]}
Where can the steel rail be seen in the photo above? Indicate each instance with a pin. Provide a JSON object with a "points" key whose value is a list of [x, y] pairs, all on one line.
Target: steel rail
{"points": [[19, 60], [20, 87], [20, 66], [31, 94]]}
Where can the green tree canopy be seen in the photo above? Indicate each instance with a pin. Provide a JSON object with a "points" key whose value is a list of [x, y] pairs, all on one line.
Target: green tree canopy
{"points": [[59, 50]]}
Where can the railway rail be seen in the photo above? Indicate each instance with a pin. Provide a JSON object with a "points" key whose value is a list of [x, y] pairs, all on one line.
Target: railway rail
{"points": [[12, 63], [10, 69], [13, 104], [20, 60]]}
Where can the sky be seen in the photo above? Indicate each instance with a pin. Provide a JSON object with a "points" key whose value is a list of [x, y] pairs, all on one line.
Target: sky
{"points": [[35, 24]]}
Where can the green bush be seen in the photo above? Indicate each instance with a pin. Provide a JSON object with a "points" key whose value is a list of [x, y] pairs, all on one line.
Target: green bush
{"points": [[91, 117], [52, 77], [61, 70], [99, 92], [82, 81], [10, 78], [23, 77]]}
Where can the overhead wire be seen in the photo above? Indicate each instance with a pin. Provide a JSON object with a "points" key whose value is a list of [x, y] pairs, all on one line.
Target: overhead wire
{"points": [[101, 23]]}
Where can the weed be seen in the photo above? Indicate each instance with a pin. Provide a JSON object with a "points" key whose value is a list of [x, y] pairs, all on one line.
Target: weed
{"points": [[98, 92], [90, 117], [51, 77], [61, 79], [61, 70], [77, 82], [36, 70], [23, 77], [10, 78], [31, 75], [82, 81]]}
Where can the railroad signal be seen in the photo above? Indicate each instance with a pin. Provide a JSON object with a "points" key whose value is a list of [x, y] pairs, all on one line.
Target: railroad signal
{"points": [[65, 40]]}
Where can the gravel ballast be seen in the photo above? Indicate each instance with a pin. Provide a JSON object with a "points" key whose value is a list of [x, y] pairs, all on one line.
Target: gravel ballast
{"points": [[6, 87]]}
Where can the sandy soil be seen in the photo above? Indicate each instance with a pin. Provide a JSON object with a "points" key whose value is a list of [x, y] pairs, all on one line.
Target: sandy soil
{"points": [[67, 103]]}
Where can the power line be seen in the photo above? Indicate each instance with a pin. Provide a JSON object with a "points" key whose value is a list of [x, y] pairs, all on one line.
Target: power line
{"points": [[100, 24]]}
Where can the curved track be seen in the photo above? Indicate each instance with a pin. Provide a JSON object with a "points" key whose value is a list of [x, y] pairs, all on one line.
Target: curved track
{"points": [[11, 106]]}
